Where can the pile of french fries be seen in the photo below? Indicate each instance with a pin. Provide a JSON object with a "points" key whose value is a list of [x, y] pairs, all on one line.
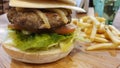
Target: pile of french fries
{"points": [[101, 36]]}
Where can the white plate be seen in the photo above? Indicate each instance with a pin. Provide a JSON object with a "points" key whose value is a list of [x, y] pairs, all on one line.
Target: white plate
{"points": [[3, 27]]}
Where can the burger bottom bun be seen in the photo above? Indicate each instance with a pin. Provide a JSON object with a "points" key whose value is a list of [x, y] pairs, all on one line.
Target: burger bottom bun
{"points": [[36, 57]]}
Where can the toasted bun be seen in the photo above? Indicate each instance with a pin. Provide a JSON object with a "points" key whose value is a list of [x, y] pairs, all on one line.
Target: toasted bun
{"points": [[68, 4], [41, 3], [36, 57], [71, 2]]}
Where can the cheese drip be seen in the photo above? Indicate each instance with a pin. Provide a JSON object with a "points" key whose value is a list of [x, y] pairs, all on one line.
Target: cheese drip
{"points": [[62, 14], [44, 18]]}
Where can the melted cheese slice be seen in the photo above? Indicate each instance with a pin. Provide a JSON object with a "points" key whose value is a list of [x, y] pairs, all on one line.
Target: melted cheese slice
{"points": [[40, 3], [45, 4]]}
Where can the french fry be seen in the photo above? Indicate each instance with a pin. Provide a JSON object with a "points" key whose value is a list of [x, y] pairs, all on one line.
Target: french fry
{"points": [[75, 21], [94, 20], [106, 35], [100, 40], [118, 47], [88, 30], [84, 24], [85, 18], [79, 24], [101, 20], [100, 35], [112, 37], [93, 33], [101, 28], [101, 46], [115, 29], [81, 20], [89, 21], [114, 32]]}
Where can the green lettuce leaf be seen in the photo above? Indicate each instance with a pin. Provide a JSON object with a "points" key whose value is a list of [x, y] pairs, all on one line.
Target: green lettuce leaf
{"points": [[36, 42], [66, 44]]}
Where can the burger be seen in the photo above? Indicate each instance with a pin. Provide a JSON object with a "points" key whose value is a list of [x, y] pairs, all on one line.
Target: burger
{"points": [[40, 31]]}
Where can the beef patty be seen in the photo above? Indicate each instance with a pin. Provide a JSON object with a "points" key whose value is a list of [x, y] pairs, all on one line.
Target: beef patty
{"points": [[27, 18]]}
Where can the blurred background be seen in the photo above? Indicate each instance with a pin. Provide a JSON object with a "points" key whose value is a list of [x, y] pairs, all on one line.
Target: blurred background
{"points": [[106, 9], [4, 6]]}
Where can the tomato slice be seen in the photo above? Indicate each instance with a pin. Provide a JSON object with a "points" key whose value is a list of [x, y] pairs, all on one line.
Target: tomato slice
{"points": [[67, 29]]}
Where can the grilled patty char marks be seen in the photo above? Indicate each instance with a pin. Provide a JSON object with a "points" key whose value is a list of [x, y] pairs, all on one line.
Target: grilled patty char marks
{"points": [[27, 18]]}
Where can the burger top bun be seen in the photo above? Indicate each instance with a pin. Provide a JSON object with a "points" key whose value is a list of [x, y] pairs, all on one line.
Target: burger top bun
{"points": [[41, 3], [69, 4]]}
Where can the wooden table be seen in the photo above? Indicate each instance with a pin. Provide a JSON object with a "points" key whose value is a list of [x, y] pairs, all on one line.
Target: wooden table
{"points": [[76, 59]]}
